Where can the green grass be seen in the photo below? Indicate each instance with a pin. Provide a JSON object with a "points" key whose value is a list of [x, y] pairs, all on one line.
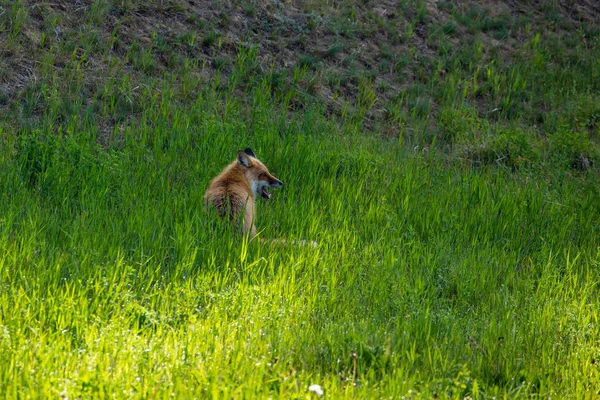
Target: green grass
{"points": [[442, 279], [458, 250]]}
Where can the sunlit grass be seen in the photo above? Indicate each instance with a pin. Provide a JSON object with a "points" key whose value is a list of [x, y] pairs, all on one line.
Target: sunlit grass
{"points": [[440, 278]]}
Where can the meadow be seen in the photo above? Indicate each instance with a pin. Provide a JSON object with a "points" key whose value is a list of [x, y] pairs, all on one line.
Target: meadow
{"points": [[458, 253]]}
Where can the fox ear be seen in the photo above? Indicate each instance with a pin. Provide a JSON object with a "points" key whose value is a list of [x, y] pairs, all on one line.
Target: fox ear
{"points": [[243, 159], [249, 151]]}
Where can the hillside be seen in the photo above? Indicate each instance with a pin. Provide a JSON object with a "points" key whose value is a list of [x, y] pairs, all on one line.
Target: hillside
{"points": [[427, 70]]}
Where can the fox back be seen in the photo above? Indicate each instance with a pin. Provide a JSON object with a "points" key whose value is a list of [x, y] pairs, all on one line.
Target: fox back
{"points": [[233, 192]]}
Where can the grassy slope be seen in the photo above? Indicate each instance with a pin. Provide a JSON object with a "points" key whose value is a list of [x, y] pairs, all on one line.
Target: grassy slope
{"points": [[431, 278]]}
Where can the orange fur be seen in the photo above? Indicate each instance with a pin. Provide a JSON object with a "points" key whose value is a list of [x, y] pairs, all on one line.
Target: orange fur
{"points": [[233, 192]]}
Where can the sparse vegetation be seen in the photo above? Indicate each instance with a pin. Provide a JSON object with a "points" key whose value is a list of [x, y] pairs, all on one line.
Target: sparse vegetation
{"points": [[445, 155]]}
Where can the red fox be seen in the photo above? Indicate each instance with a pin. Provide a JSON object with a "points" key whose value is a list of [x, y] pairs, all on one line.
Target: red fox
{"points": [[234, 190]]}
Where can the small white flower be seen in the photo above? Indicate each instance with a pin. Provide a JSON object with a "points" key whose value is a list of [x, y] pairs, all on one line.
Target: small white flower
{"points": [[316, 389]]}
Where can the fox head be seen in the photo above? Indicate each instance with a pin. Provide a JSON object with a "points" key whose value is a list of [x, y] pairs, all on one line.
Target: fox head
{"points": [[257, 174]]}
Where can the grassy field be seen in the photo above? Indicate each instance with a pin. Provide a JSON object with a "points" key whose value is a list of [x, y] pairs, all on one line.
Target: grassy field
{"points": [[449, 174]]}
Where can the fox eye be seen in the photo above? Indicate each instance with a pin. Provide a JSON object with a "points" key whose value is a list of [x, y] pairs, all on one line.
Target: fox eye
{"points": [[262, 175]]}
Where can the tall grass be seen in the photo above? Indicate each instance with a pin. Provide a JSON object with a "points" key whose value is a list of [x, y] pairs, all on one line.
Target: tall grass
{"points": [[433, 277], [430, 279]]}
